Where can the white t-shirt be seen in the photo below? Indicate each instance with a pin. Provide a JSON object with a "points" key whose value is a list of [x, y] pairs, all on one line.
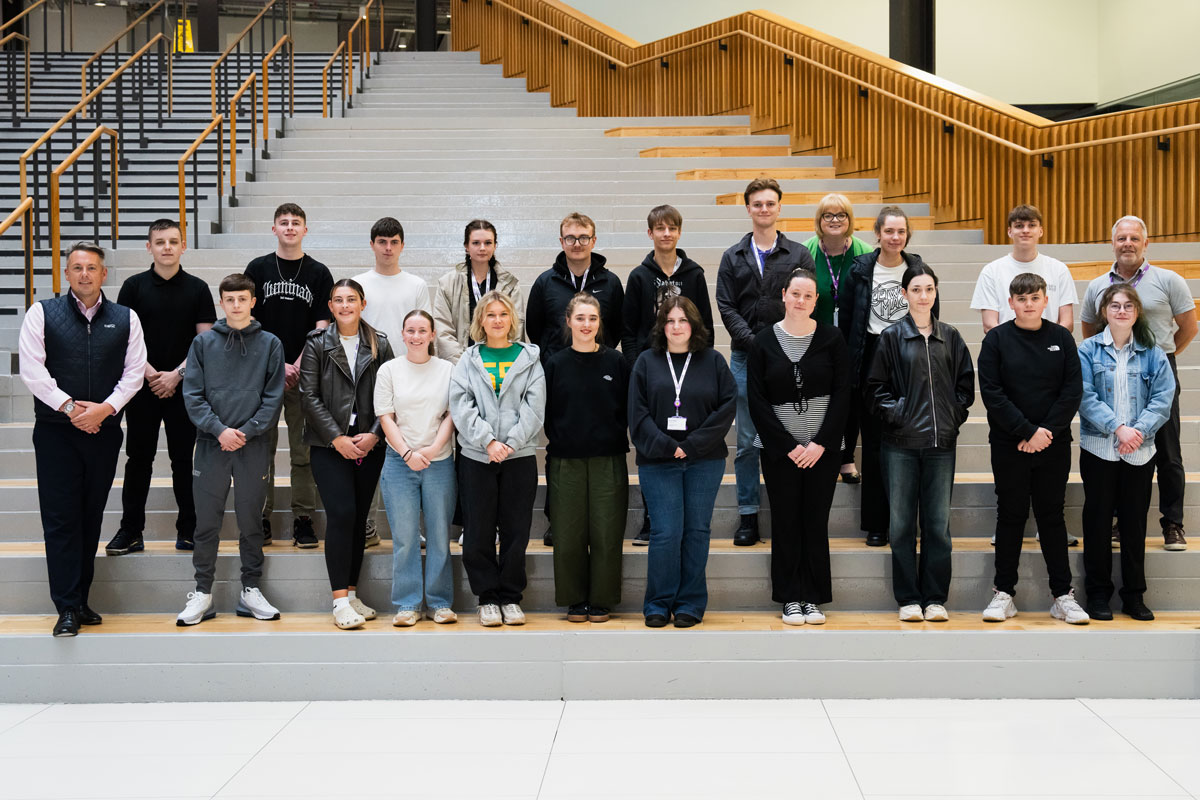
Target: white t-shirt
{"points": [[350, 348], [888, 305], [991, 290], [389, 299], [419, 396]]}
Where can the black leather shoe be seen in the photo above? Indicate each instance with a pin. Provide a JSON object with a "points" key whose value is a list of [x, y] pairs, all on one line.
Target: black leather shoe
{"points": [[1137, 609], [89, 617], [877, 540], [1099, 611], [124, 542], [68, 623], [656, 621], [548, 538], [747, 532], [685, 621]]}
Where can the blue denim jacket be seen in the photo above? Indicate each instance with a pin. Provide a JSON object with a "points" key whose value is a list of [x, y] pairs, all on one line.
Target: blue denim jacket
{"points": [[1151, 388]]}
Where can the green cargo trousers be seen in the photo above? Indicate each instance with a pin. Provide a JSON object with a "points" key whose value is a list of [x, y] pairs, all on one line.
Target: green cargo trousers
{"points": [[589, 498]]}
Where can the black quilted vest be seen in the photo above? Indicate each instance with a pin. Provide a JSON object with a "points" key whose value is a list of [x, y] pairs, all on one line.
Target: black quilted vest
{"points": [[85, 359]]}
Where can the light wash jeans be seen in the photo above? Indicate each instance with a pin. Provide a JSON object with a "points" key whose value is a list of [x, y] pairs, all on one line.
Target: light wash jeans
{"points": [[406, 494], [745, 460]]}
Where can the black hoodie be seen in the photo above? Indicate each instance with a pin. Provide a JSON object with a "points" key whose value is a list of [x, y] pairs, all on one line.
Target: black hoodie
{"points": [[645, 290], [546, 308]]}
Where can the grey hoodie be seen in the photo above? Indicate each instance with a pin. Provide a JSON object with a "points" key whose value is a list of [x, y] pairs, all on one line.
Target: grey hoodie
{"points": [[514, 418], [234, 379]]}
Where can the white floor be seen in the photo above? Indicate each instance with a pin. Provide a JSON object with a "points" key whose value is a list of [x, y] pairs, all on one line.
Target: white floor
{"points": [[630, 750]]}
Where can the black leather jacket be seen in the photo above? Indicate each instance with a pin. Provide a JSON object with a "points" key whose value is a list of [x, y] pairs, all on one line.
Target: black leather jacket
{"points": [[920, 389], [330, 392]]}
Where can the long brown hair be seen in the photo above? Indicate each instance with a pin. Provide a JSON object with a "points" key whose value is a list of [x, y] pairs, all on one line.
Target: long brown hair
{"points": [[1141, 329], [658, 336]]}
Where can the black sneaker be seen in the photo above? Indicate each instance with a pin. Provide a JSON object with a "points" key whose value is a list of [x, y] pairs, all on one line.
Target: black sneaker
{"points": [[266, 531], [185, 541], [577, 613], [877, 539], [747, 532], [548, 538], [597, 614], [125, 542], [302, 533]]}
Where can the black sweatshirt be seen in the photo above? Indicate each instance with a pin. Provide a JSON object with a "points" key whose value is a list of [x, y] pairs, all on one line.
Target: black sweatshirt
{"points": [[586, 395], [1029, 380], [707, 401], [546, 307], [645, 290]]}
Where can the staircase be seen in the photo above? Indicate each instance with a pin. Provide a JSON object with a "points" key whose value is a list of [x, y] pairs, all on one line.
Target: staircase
{"points": [[438, 139]]}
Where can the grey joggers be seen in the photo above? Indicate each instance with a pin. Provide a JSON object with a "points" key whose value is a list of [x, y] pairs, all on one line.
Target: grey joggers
{"points": [[211, 473]]}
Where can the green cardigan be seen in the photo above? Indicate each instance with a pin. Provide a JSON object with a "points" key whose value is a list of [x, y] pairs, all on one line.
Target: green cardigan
{"points": [[826, 302]]}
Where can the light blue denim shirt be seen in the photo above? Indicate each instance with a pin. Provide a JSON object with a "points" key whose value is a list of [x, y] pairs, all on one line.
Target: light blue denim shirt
{"points": [[1140, 396]]}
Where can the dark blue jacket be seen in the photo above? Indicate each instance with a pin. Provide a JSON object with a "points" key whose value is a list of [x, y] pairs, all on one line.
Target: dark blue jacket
{"points": [[86, 359]]}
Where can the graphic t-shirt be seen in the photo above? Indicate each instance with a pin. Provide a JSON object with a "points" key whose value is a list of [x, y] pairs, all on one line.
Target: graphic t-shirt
{"points": [[293, 296], [498, 361], [888, 305]]}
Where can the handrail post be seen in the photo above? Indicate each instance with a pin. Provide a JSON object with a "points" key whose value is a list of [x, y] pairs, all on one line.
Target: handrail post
{"points": [[220, 175], [27, 240], [97, 165]]}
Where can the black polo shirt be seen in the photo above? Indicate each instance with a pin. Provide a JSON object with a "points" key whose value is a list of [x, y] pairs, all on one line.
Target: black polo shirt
{"points": [[169, 311]]}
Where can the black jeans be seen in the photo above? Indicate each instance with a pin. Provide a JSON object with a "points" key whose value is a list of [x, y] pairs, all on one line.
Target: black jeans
{"points": [[497, 496], [854, 410], [75, 472], [800, 501], [1040, 477], [142, 417], [1109, 485], [875, 514], [1168, 459], [346, 488]]}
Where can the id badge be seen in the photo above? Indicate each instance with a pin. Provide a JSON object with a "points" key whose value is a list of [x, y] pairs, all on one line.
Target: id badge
{"points": [[835, 315], [353, 419], [677, 423]]}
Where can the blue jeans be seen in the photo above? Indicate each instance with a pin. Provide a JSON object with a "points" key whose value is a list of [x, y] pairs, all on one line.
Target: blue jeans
{"points": [[745, 460], [919, 481], [406, 494], [680, 495]]}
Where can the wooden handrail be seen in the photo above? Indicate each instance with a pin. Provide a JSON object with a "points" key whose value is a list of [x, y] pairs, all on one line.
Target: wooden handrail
{"points": [[285, 39], [22, 207], [14, 36], [55, 177], [92, 58], [217, 121], [341, 49], [18, 17], [212, 71], [22, 212]]}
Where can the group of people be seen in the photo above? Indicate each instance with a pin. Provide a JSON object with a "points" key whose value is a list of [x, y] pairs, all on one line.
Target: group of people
{"points": [[434, 402]]}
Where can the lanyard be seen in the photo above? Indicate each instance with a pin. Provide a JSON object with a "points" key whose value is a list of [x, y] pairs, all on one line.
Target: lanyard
{"points": [[759, 255], [487, 284], [582, 281], [678, 381], [833, 278], [1137, 276]]}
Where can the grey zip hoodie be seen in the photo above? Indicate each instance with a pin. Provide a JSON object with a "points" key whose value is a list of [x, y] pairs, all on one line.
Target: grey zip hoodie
{"points": [[234, 379], [514, 418]]}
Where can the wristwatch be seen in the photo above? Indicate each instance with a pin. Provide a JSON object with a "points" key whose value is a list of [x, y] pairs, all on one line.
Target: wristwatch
{"points": [[69, 407], [181, 371]]}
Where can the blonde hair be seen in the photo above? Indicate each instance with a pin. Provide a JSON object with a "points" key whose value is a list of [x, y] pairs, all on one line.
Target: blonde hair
{"points": [[834, 200], [494, 296]]}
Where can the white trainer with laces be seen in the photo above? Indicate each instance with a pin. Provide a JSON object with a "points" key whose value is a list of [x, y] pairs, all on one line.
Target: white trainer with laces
{"points": [[1066, 608], [513, 615], [362, 608], [936, 612], [251, 603], [405, 618], [793, 614], [489, 615], [444, 616], [911, 613], [199, 608], [812, 614], [1000, 608]]}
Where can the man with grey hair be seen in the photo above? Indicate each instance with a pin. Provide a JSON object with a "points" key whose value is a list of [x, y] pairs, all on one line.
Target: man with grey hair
{"points": [[83, 358], [1169, 309]]}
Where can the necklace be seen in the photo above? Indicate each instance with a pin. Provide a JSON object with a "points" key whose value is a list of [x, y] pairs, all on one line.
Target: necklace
{"points": [[279, 269]]}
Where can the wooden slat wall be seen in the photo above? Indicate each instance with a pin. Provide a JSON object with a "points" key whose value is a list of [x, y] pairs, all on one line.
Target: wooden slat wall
{"points": [[968, 180]]}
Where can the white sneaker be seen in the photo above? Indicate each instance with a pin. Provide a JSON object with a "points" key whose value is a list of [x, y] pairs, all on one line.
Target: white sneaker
{"points": [[993, 540], [812, 614], [199, 608], [1000, 608], [1068, 610], [936, 613], [346, 618], [911, 613], [405, 619], [253, 604], [489, 615], [444, 616], [793, 614], [513, 615], [362, 608]]}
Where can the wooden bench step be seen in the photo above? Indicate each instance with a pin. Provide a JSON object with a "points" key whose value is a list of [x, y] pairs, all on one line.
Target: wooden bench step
{"points": [[1086, 270], [745, 174], [801, 198], [671, 130], [733, 151], [861, 224]]}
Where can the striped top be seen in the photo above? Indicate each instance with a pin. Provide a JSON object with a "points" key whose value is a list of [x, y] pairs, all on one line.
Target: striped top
{"points": [[803, 419], [1105, 447]]}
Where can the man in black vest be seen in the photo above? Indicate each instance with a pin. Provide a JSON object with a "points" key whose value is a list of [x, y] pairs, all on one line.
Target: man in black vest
{"points": [[83, 358]]}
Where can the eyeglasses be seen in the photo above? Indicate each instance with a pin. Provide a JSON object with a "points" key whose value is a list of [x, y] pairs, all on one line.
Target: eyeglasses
{"points": [[840, 216], [1116, 308], [574, 240]]}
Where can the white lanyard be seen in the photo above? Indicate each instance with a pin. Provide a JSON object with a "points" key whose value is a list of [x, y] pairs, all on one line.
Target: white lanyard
{"points": [[583, 281], [678, 381], [759, 255], [487, 284]]}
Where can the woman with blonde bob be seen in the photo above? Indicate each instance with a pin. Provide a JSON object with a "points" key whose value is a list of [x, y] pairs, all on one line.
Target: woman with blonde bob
{"points": [[497, 402], [834, 249]]}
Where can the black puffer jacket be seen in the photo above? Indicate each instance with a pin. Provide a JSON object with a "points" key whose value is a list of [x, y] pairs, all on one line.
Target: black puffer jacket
{"points": [[330, 391], [854, 307], [921, 389]]}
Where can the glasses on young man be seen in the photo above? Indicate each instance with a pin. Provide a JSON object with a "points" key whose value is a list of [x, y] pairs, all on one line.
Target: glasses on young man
{"points": [[574, 240]]}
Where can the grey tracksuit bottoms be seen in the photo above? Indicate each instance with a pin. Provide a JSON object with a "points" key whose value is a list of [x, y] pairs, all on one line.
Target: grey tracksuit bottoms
{"points": [[212, 469]]}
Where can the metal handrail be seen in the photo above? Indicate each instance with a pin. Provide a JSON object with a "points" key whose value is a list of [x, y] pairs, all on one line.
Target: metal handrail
{"points": [[216, 124], [364, 55], [212, 71], [12, 82], [18, 17], [56, 176], [285, 39], [24, 212], [340, 51], [246, 86], [83, 70]]}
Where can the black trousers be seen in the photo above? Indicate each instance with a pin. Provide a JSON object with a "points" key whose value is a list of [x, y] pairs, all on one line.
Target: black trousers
{"points": [[346, 488], [800, 501], [1109, 486], [75, 472], [874, 511], [142, 417], [854, 410], [1040, 478], [497, 496], [1168, 459]]}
